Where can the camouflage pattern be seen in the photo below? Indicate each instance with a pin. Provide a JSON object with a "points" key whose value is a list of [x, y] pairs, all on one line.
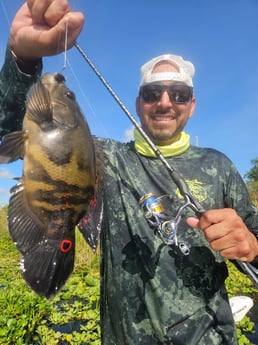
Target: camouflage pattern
{"points": [[14, 86], [150, 293]]}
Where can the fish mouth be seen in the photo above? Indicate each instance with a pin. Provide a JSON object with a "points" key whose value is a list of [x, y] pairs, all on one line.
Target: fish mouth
{"points": [[59, 78]]}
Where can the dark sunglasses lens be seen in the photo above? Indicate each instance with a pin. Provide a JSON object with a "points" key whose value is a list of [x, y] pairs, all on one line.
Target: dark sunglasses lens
{"points": [[151, 93], [179, 94]]}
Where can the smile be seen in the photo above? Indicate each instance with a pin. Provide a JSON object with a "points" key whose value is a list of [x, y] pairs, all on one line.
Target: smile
{"points": [[163, 118]]}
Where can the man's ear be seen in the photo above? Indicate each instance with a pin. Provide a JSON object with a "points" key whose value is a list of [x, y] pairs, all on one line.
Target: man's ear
{"points": [[137, 105], [193, 104]]}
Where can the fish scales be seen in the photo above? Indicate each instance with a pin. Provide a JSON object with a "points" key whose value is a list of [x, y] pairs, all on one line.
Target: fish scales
{"points": [[50, 186], [57, 184]]}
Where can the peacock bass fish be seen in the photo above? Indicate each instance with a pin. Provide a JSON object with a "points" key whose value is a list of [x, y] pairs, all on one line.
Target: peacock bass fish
{"points": [[57, 184]]}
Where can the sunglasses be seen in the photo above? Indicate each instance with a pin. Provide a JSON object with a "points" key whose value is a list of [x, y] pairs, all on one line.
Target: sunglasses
{"points": [[178, 93]]}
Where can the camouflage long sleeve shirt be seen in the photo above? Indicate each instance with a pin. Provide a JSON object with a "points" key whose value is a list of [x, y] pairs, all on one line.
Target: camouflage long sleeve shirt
{"points": [[151, 294], [14, 86]]}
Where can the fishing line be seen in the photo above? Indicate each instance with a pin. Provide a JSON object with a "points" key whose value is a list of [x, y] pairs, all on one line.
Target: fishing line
{"points": [[67, 63], [5, 12], [182, 186], [65, 47], [190, 200], [86, 99]]}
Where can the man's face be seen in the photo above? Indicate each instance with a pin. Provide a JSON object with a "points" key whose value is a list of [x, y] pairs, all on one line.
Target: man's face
{"points": [[163, 120]]}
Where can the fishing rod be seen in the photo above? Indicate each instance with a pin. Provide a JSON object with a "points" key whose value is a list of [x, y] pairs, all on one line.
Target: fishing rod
{"points": [[177, 178], [190, 200]]}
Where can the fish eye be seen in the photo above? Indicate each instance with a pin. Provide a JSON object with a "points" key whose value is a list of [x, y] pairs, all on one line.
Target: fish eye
{"points": [[70, 94]]}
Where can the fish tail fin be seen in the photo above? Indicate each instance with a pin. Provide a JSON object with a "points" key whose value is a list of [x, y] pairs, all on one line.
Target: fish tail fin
{"points": [[46, 268]]}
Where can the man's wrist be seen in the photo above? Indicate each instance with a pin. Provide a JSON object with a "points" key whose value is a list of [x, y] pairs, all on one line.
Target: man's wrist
{"points": [[29, 67], [255, 262]]}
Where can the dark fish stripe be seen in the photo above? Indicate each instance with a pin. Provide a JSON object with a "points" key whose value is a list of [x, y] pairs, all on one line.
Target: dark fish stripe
{"points": [[59, 157], [57, 185], [49, 164], [43, 176], [56, 197]]}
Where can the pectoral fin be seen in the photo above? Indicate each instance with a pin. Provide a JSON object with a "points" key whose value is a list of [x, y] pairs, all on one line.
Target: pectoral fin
{"points": [[12, 147], [38, 105]]}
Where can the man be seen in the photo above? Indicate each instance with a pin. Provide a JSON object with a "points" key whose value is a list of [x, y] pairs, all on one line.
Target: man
{"points": [[151, 293]]}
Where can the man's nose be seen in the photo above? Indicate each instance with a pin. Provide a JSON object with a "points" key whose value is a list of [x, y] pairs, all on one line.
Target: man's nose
{"points": [[165, 99]]}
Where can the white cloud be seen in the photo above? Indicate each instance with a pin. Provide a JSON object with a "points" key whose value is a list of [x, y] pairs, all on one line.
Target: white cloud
{"points": [[4, 196], [5, 173], [128, 134], [4, 191]]}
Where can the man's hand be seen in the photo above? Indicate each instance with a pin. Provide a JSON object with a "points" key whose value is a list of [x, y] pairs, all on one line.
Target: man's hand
{"points": [[227, 233], [39, 29]]}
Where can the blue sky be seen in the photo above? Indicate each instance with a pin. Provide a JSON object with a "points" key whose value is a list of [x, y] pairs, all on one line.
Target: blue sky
{"points": [[218, 36]]}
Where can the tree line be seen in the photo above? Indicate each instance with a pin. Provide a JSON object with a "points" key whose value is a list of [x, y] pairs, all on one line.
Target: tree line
{"points": [[252, 181]]}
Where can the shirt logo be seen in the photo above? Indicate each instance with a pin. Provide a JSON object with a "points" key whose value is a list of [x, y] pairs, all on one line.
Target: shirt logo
{"points": [[197, 189]]}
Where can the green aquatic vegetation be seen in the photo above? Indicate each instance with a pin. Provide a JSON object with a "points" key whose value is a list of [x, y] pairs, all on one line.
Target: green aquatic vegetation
{"points": [[239, 284], [71, 317]]}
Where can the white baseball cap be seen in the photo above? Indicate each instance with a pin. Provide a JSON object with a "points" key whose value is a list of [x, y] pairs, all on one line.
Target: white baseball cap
{"points": [[185, 70]]}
